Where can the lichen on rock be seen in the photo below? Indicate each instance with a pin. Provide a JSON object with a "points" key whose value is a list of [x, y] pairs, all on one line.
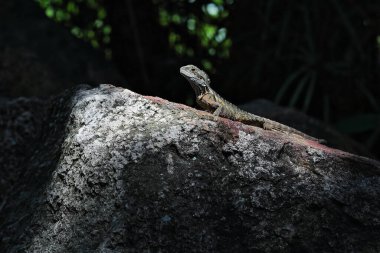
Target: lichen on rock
{"points": [[115, 171]]}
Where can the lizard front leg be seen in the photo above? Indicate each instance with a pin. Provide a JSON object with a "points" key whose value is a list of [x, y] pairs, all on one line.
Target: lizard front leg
{"points": [[208, 103], [217, 111], [267, 126]]}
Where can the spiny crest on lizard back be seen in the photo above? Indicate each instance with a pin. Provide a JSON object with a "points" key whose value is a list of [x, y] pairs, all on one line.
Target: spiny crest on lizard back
{"points": [[198, 79], [212, 102]]}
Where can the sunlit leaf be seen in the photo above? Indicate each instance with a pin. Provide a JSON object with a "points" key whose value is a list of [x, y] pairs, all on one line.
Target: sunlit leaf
{"points": [[221, 34], [107, 29], [176, 19], [191, 22], [209, 30], [98, 23], [212, 38], [212, 10], [49, 12], [93, 30]]}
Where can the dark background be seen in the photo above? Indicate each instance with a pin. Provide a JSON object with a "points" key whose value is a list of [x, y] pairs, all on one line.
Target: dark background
{"points": [[319, 57]]}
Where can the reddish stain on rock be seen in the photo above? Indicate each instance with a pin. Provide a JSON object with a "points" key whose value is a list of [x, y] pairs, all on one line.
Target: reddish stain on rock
{"points": [[157, 100], [234, 127]]}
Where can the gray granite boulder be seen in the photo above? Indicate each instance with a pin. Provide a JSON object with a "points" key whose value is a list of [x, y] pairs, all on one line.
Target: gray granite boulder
{"points": [[108, 170]]}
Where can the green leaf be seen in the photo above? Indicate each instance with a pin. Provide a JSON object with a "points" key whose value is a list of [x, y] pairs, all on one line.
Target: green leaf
{"points": [[174, 38], [211, 51], [102, 13], [60, 15], [287, 83], [218, 2], [58, 2], [180, 49], [72, 8], [176, 18], [209, 31], [297, 92], [107, 29], [90, 34], [49, 12], [212, 10], [221, 35], [92, 4], [94, 43], [191, 24], [309, 92], [206, 64], [163, 17], [98, 23]]}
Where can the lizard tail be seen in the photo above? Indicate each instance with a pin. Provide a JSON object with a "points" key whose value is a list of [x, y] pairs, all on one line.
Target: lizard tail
{"points": [[283, 128]]}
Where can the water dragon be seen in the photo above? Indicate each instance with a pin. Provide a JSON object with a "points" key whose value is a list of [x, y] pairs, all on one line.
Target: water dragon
{"points": [[212, 102]]}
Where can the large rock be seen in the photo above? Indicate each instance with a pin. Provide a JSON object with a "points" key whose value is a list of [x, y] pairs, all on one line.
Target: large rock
{"points": [[114, 171]]}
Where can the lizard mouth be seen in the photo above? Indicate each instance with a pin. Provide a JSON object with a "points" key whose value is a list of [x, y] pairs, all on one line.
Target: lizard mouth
{"points": [[195, 81]]}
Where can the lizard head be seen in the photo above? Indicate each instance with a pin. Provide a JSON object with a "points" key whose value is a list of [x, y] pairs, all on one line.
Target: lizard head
{"points": [[197, 78]]}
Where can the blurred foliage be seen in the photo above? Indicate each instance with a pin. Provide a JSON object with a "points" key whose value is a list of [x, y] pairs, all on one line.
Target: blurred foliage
{"points": [[85, 18], [197, 28], [321, 57], [87, 21]]}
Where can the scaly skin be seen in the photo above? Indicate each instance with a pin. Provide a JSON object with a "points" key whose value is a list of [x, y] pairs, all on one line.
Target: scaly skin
{"points": [[212, 102]]}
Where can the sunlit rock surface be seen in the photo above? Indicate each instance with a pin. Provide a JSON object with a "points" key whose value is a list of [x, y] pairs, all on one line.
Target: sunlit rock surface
{"points": [[113, 171]]}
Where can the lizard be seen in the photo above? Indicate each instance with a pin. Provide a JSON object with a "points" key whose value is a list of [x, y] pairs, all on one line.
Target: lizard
{"points": [[212, 102]]}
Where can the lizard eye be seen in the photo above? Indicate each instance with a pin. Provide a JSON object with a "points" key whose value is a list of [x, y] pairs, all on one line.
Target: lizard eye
{"points": [[193, 69]]}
